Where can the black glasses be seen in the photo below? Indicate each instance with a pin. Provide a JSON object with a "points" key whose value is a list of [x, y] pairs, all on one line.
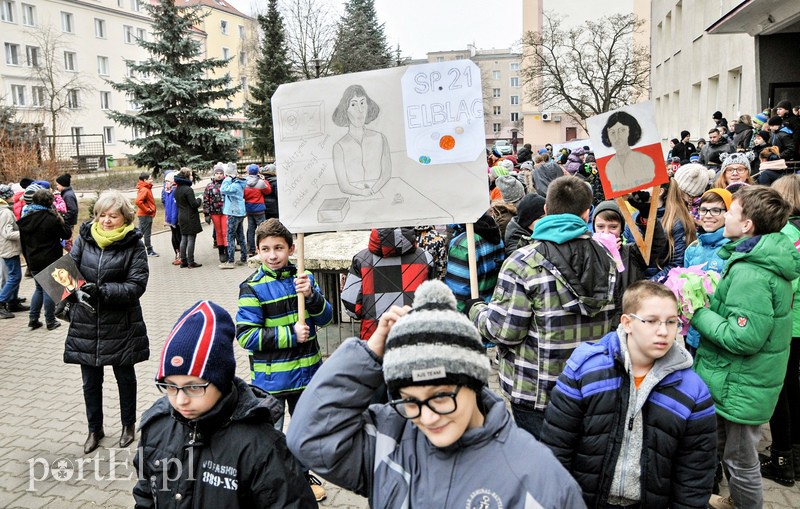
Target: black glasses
{"points": [[442, 403], [193, 390], [670, 323], [715, 211]]}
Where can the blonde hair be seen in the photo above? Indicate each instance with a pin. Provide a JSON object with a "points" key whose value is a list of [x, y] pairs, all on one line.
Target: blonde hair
{"points": [[114, 200], [675, 209], [788, 187]]}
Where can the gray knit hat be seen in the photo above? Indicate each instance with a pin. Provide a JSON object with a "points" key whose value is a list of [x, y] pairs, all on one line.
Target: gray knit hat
{"points": [[693, 178], [434, 344], [27, 196], [510, 188], [736, 158]]}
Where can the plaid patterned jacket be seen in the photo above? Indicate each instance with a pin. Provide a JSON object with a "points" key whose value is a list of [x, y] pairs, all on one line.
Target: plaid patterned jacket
{"points": [[549, 299]]}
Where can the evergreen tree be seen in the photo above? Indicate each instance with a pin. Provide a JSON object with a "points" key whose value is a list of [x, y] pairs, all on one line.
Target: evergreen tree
{"points": [[272, 69], [175, 96], [360, 42]]}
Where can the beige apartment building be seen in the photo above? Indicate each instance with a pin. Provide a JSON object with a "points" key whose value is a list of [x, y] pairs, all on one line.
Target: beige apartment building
{"points": [[89, 44], [731, 56], [502, 89]]}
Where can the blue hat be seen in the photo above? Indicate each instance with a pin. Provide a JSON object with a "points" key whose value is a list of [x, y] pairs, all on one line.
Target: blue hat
{"points": [[694, 158], [252, 169], [201, 345]]}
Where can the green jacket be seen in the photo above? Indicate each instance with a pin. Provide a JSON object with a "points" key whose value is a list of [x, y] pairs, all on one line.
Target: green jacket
{"points": [[747, 328], [792, 231]]}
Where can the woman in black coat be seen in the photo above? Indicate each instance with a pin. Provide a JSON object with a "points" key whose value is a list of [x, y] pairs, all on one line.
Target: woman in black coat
{"points": [[107, 327], [188, 216]]}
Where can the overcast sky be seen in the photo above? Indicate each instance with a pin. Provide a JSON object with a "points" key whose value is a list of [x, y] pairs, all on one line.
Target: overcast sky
{"points": [[420, 26]]}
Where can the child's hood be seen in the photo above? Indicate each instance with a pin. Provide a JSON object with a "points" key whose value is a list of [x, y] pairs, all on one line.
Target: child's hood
{"points": [[773, 252], [385, 242]]}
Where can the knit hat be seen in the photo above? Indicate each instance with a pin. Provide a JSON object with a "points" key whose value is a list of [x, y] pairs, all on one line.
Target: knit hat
{"points": [[684, 134], [252, 169], [529, 209], [42, 183], [28, 195], [511, 188], [434, 344], [776, 120], [717, 115], [693, 178], [6, 192], [230, 171], [735, 158], [170, 176], [64, 180], [499, 171], [527, 165], [507, 164], [607, 205], [201, 345], [765, 135], [787, 105], [760, 119], [694, 158], [542, 151], [219, 168], [722, 193]]}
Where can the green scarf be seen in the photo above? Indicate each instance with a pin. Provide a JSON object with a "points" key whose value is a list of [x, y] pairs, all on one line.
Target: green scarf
{"points": [[105, 238]]}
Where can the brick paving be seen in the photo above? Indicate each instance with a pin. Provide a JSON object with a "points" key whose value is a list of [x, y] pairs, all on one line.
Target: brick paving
{"points": [[43, 425]]}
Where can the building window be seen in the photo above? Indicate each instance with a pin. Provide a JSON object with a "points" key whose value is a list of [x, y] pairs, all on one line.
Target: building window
{"points": [[515, 81], [105, 100], [18, 95], [439, 59], [514, 66], [243, 83], [129, 72], [132, 104], [515, 117], [28, 15], [495, 75], [72, 99], [69, 61], [76, 133], [137, 132], [141, 34], [102, 66], [496, 128], [67, 23], [242, 58], [514, 99], [495, 92], [241, 31], [121, 4], [495, 110], [108, 135], [32, 56], [127, 34], [100, 28], [229, 105], [135, 5], [38, 95], [226, 53], [12, 54], [223, 27], [7, 11]]}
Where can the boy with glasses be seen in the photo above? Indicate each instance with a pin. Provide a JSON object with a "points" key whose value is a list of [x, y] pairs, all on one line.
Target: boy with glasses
{"points": [[210, 441], [444, 439], [746, 331], [629, 419], [705, 250]]}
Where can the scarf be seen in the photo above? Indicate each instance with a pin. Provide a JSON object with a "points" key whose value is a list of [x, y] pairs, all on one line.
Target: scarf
{"points": [[105, 238], [560, 228]]}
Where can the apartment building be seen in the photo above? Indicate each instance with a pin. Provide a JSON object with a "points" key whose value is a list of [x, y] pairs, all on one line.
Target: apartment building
{"points": [[502, 89]]}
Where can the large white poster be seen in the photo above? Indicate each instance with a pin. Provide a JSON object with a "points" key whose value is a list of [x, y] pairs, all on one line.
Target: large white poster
{"points": [[394, 147]]}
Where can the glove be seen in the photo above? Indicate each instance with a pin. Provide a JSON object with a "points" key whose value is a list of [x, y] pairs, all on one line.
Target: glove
{"points": [[468, 305], [88, 295], [640, 200], [208, 219]]}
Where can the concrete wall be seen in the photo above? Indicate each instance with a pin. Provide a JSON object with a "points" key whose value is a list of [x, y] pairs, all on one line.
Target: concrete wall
{"points": [[777, 57]]}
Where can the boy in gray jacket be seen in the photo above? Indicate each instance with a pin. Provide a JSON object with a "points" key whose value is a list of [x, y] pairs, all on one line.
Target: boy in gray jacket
{"points": [[443, 440]]}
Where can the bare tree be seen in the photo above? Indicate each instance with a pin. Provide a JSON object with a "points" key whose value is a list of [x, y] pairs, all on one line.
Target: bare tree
{"points": [[59, 88], [586, 70], [310, 36]]}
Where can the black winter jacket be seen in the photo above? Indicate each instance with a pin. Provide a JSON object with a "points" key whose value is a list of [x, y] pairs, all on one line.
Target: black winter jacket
{"points": [[230, 457], [271, 200], [115, 334], [71, 201], [40, 232], [586, 419], [188, 207]]}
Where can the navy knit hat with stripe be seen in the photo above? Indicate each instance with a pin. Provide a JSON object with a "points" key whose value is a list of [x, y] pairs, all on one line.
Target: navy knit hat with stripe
{"points": [[201, 345], [434, 344]]}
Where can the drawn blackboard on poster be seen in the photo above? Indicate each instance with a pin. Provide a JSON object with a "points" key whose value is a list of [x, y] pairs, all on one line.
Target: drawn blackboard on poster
{"points": [[392, 147]]}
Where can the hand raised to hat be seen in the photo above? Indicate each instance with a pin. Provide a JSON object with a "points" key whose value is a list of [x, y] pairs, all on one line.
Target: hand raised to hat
{"points": [[377, 341]]}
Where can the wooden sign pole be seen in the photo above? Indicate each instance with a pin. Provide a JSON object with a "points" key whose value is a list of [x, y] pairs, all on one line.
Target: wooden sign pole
{"points": [[473, 261], [301, 299], [645, 242]]}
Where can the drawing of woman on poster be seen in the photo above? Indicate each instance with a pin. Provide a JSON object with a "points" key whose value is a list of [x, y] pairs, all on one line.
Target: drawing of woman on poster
{"points": [[361, 158], [627, 168]]}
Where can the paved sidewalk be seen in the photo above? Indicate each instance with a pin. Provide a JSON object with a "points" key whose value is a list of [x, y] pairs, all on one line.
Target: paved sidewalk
{"points": [[43, 425]]}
